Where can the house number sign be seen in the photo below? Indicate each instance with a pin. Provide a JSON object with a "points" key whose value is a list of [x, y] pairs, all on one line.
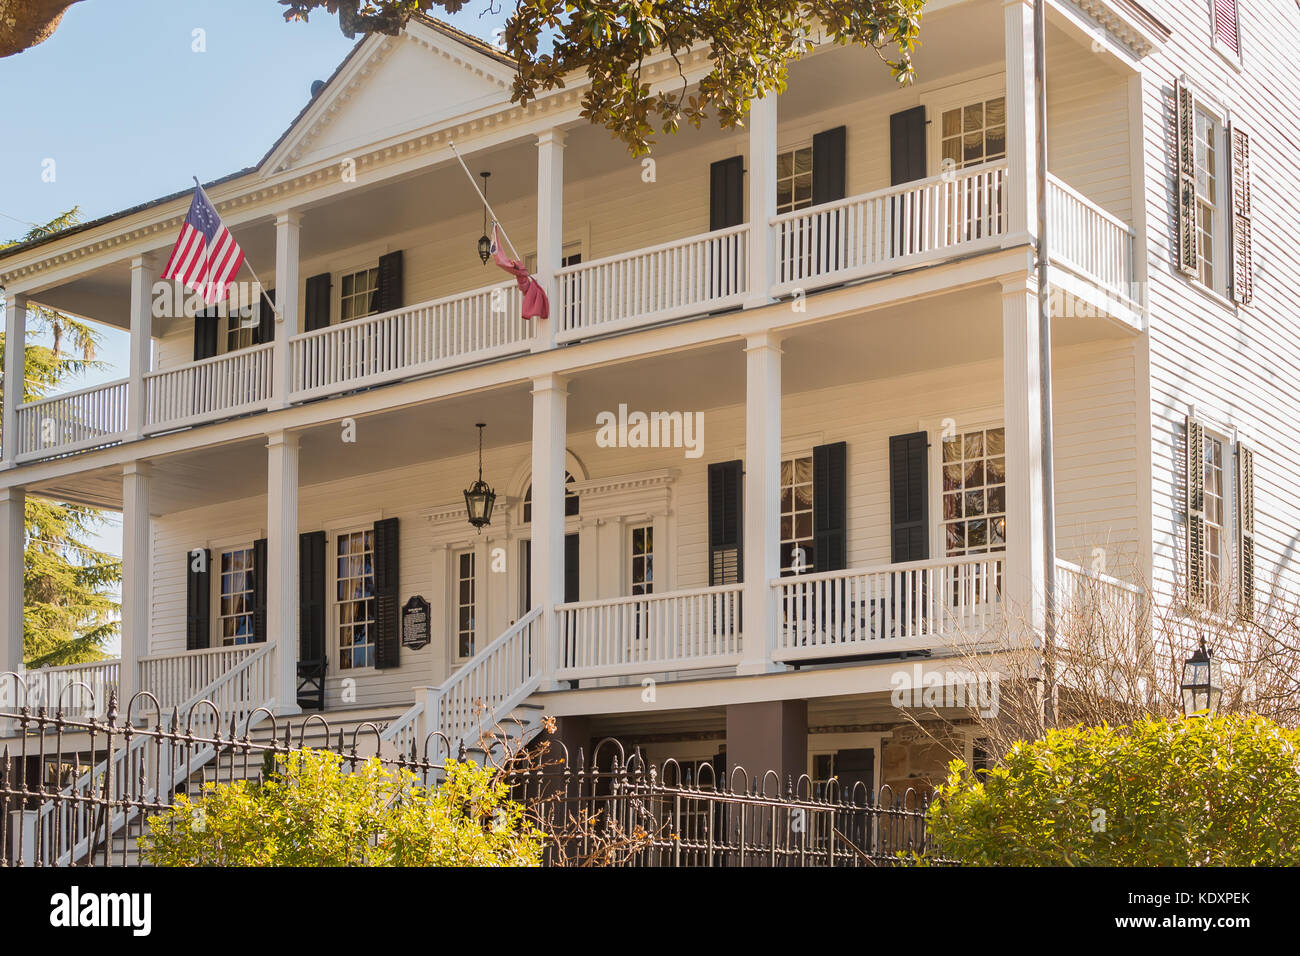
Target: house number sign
{"points": [[415, 623]]}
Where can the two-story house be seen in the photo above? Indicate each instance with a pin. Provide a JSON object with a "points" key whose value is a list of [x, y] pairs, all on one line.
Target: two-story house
{"points": [[778, 439]]}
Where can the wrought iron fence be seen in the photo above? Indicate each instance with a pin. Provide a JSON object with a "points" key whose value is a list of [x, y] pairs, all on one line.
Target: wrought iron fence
{"points": [[76, 791]]}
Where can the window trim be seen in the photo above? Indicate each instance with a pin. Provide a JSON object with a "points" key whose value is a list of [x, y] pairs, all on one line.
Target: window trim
{"points": [[635, 524], [812, 172], [961, 94], [980, 421], [1227, 576], [1222, 116], [336, 298], [792, 456]]}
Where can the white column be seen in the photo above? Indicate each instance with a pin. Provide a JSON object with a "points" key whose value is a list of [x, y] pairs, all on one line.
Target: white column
{"points": [[144, 272], [137, 480], [550, 428], [282, 565], [12, 541], [1022, 140], [287, 229], [15, 331], [762, 500], [762, 199], [1023, 589], [550, 228]]}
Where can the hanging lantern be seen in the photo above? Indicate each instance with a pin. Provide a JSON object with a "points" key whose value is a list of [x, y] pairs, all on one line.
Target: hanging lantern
{"points": [[1202, 685], [479, 498], [485, 241]]}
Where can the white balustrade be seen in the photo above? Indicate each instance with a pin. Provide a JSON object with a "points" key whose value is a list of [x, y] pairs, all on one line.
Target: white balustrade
{"points": [[911, 606], [673, 631], [890, 228], [684, 277], [72, 421], [211, 388], [74, 690], [457, 330], [1090, 241]]}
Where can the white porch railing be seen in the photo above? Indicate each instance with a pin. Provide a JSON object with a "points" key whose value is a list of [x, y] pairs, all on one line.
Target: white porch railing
{"points": [[177, 678], [75, 690], [882, 610], [1089, 240], [1089, 600], [485, 690], [219, 387], [456, 330], [238, 694], [655, 284], [890, 228], [673, 631], [72, 421]]}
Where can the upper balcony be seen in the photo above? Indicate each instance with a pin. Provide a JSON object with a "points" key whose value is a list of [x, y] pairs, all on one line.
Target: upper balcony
{"points": [[849, 180]]}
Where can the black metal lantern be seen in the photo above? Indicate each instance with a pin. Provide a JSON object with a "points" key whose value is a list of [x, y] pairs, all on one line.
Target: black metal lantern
{"points": [[479, 498], [485, 241], [1202, 685]]}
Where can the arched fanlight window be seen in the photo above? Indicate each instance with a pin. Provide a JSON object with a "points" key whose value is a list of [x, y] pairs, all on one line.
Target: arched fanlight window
{"points": [[570, 499]]}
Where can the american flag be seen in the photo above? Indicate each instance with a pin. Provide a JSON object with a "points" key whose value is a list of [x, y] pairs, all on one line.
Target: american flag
{"points": [[206, 256]]}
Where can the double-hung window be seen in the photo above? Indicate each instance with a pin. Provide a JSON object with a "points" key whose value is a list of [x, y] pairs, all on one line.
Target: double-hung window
{"points": [[355, 598], [794, 178], [235, 598], [974, 133], [974, 492], [464, 564], [358, 294], [797, 515]]}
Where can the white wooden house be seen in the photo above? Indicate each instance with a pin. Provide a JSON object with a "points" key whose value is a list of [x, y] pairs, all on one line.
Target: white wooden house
{"points": [[839, 300]]}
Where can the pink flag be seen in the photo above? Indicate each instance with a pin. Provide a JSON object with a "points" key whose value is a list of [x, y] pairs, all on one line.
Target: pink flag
{"points": [[536, 305]]}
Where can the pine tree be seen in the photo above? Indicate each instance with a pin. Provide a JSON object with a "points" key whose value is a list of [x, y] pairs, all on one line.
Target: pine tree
{"points": [[69, 608]]}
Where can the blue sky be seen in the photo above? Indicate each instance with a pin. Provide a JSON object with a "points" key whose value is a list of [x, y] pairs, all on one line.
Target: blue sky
{"points": [[128, 111]]}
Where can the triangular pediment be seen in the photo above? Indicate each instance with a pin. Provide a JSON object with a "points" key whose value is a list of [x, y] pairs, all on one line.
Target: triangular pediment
{"points": [[389, 86]]}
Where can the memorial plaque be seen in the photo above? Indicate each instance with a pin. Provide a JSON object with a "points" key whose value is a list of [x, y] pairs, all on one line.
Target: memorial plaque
{"points": [[415, 623]]}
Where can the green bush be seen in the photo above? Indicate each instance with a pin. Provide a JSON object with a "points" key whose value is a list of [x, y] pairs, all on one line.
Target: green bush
{"points": [[1203, 792], [310, 812]]}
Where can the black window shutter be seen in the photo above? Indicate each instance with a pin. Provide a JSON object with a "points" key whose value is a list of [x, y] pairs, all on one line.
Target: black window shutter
{"points": [[198, 600], [316, 308], [259, 590], [387, 599], [265, 319], [726, 522], [388, 291], [571, 568], [207, 326], [828, 182], [830, 507], [906, 146], [311, 596], [909, 497], [727, 193]]}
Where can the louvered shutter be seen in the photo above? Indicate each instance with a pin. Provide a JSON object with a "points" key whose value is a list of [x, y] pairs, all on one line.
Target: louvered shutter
{"points": [[726, 519], [830, 507], [1226, 24], [266, 319], [727, 193], [907, 146], [311, 596], [259, 590], [1185, 195], [207, 329], [1243, 266], [387, 598], [1194, 477], [909, 505], [572, 569], [316, 307], [828, 149], [198, 599], [388, 291], [1246, 532]]}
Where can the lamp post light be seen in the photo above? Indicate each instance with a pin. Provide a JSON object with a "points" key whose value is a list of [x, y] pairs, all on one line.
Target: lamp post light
{"points": [[1202, 686], [479, 497]]}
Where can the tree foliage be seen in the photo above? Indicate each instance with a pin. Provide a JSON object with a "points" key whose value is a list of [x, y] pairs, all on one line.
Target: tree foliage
{"points": [[750, 45], [70, 610], [1184, 792], [310, 812]]}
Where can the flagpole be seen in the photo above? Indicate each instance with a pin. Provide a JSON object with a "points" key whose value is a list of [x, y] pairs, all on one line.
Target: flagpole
{"points": [[484, 198], [279, 316]]}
